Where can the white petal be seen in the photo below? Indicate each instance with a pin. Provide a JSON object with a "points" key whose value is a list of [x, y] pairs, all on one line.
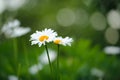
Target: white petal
{"points": [[34, 42]]}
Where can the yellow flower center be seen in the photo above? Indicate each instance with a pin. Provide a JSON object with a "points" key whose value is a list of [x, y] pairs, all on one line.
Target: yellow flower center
{"points": [[57, 41], [42, 38]]}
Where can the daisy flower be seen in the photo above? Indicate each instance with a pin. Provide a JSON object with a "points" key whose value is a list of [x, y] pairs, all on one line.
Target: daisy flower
{"points": [[63, 41], [97, 72], [12, 77], [2, 6], [43, 57], [34, 69], [43, 37], [12, 29], [112, 50], [13, 5]]}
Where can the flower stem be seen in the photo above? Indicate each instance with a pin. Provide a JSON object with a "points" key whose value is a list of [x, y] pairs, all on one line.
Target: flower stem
{"points": [[26, 59], [19, 68], [15, 51], [58, 74], [50, 65]]}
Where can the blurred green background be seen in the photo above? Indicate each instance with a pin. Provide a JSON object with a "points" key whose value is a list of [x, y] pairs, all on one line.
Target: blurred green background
{"points": [[93, 24]]}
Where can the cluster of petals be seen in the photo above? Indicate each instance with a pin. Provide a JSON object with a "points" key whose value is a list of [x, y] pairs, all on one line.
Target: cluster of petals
{"points": [[49, 35]]}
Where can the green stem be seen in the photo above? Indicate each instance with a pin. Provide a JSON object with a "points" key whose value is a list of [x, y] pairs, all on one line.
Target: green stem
{"points": [[58, 74], [19, 67], [26, 59], [50, 65], [15, 51]]}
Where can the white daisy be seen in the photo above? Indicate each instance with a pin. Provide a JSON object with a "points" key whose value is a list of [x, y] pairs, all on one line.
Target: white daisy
{"points": [[12, 77], [34, 69], [13, 29], [42, 37], [97, 72], [2, 6], [13, 5], [112, 50], [44, 59], [63, 41]]}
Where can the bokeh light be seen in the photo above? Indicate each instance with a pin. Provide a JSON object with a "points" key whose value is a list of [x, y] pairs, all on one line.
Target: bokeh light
{"points": [[98, 21], [66, 17], [113, 18], [82, 17], [111, 35]]}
